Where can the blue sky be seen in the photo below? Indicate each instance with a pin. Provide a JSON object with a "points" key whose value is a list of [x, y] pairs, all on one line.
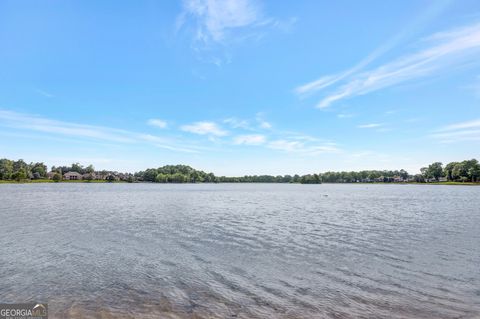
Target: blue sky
{"points": [[240, 86]]}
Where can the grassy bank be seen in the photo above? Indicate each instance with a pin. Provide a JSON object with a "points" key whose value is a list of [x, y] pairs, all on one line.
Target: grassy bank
{"points": [[34, 181], [105, 181], [453, 183], [416, 183]]}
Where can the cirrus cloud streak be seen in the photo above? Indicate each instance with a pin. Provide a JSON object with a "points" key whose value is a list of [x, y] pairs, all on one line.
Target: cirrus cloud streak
{"points": [[443, 51]]}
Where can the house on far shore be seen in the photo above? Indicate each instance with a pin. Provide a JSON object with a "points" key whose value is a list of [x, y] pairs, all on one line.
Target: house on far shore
{"points": [[71, 176], [440, 179], [51, 174], [89, 176]]}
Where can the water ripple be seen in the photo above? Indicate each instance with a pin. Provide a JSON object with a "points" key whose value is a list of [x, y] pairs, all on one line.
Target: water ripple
{"points": [[242, 251]]}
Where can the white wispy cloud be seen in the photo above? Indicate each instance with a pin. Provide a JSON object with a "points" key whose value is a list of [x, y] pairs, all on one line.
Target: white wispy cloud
{"points": [[262, 123], [462, 125], [370, 125], [30, 125], [457, 136], [302, 137], [302, 147], [285, 145], [44, 93], [457, 132], [29, 122], [258, 123], [36, 123], [345, 115], [420, 20], [390, 112], [164, 143], [157, 123], [252, 139], [204, 128], [413, 120], [441, 51], [234, 122], [328, 80], [214, 19], [265, 125], [217, 26]]}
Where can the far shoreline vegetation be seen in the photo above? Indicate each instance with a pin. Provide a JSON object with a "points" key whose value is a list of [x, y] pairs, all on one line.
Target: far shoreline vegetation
{"points": [[455, 173]]}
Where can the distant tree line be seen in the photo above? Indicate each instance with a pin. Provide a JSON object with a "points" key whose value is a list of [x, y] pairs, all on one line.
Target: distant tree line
{"points": [[304, 179], [465, 171], [175, 174], [19, 170], [75, 167]]}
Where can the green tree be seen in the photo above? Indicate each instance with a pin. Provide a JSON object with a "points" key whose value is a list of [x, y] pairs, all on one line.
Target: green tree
{"points": [[150, 175], [473, 169], [161, 178], [448, 170], [210, 178], [20, 166], [403, 174], [76, 167], [38, 169], [425, 173], [57, 177], [89, 169], [19, 175], [435, 170], [6, 169], [459, 172], [195, 177]]}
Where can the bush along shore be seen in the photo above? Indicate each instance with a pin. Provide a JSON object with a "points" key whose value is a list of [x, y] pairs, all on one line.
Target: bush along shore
{"points": [[464, 173]]}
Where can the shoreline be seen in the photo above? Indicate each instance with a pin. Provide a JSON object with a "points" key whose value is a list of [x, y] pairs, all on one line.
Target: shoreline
{"points": [[46, 181]]}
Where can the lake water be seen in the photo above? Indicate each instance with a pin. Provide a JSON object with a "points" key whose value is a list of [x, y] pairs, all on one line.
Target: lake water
{"points": [[242, 251]]}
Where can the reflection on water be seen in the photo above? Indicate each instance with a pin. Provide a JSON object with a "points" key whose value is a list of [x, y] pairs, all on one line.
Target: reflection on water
{"points": [[242, 251]]}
